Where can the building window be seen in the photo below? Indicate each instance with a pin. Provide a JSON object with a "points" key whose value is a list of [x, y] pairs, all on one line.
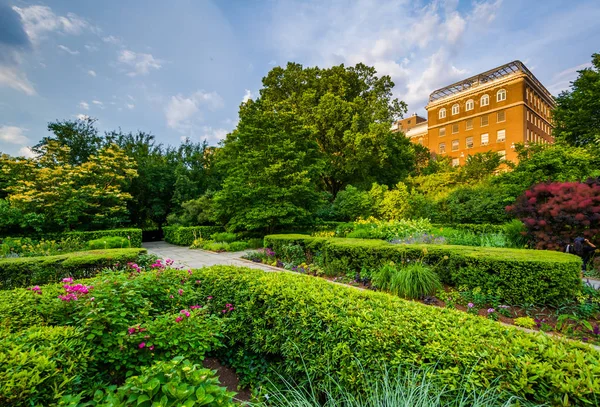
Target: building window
{"points": [[469, 124], [485, 100], [442, 131], [469, 105], [469, 142], [501, 135], [528, 135], [455, 109], [501, 95], [501, 116], [455, 162], [455, 128], [502, 154], [484, 120], [442, 113], [485, 139], [528, 115], [442, 148], [454, 145]]}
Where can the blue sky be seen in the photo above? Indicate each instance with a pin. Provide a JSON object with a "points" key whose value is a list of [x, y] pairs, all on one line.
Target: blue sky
{"points": [[181, 68]]}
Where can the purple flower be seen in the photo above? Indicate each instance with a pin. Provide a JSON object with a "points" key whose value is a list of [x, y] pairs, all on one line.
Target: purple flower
{"points": [[470, 305], [67, 280], [490, 310], [596, 330]]}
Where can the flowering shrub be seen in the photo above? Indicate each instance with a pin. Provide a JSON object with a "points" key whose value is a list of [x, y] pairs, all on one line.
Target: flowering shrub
{"points": [[556, 213]]}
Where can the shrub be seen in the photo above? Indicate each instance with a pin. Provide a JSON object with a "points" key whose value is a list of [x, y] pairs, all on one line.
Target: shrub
{"points": [[40, 364], [216, 246], [338, 332], [525, 322], [109, 242], [255, 243], [414, 281], [224, 237], [558, 212], [25, 271], [514, 275], [185, 236], [132, 234], [372, 228], [516, 233], [26, 247], [237, 246], [178, 382]]}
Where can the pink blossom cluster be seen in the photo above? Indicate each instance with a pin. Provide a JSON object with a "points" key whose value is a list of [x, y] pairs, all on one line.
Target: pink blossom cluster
{"points": [[135, 329], [36, 289], [228, 308], [184, 312], [142, 345], [157, 265], [134, 267], [74, 292], [196, 307]]}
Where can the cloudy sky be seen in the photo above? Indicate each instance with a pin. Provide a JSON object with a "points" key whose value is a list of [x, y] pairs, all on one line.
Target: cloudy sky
{"points": [[181, 68]]}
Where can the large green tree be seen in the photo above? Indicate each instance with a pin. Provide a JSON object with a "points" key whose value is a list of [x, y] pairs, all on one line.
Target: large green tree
{"points": [[348, 113], [577, 114], [271, 166]]}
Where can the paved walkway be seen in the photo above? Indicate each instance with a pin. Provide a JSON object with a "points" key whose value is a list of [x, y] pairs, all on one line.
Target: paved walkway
{"points": [[196, 258]]}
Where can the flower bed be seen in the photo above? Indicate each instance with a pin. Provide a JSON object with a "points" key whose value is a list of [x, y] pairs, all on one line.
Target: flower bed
{"points": [[515, 275]]}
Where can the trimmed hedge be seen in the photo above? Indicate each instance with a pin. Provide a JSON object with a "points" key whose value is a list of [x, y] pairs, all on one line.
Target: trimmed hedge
{"points": [[303, 324], [473, 227], [185, 235], [27, 271], [134, 235], [517, 276]]}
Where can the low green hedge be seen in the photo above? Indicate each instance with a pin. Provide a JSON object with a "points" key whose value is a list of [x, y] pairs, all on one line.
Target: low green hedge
{"points": [[27, 271], [517, 276], [185, 235], [302, 324], [473, 227], [132, 234]]}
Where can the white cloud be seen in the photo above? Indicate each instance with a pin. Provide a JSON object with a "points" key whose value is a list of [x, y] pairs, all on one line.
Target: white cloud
{"points": [[111, 39], [98, 103], [138, 63], [247, 96], [13, 135], [13, 78], [92, 73], [182, 112], [68, 50], [39, 20], [212, 135], [91, 48], [82, 116], [84, 106], [130, 106], [26, 152], [562, 80]]}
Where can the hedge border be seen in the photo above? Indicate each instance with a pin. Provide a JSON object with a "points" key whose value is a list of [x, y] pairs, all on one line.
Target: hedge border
{"points": [[517, 276], [185, 235], [28, 271], [134, 235]]}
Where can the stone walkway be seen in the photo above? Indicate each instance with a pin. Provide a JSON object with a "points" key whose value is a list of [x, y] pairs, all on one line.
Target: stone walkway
{"points": [[196, 258]]}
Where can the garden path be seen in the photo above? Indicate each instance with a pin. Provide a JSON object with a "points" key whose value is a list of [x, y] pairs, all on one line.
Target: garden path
{"points": [[196, 258]]}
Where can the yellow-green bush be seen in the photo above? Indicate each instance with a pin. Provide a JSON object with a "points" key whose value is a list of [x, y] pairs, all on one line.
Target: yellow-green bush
{"points": [[515, 275], [25, 271], [185, 235]]}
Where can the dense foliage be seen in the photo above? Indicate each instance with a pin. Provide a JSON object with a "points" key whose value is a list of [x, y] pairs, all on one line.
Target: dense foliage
{"points": [[514, 275], [556, 213]]}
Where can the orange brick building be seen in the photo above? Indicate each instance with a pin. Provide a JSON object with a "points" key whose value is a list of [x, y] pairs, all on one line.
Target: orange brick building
{"points": [[487, 112]]}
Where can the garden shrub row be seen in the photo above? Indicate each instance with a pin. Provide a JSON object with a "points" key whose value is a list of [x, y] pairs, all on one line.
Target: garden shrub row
{"points": [[302, 324], [26, 271], [473, 227], [517, 276], [132, 234], [185, 235]]}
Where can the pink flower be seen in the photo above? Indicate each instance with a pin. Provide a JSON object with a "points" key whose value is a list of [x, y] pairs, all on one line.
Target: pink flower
{"points": [[180, 291], [142, 345], [198, 281], [196, 306], [170, 296], [151, 347], [209, 297], [92, 299], [132, 330], [185, 312], [190, 272], [36, 289], [178, 319], [67, 280]]}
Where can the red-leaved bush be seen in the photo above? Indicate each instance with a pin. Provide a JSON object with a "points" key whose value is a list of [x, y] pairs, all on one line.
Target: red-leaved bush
{"points": [[555, 213]]}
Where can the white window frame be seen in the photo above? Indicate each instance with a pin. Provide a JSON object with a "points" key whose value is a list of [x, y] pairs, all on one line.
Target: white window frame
{"points": [[501, 95], [442, 148], [485, 100], [455, 162], [467, 127], [444, 131], [503, 132], [498, 116], [467, 142], [481, 121], [455, 126], [457, 145], [455, 109], [470, 105], [442, 113], [502, 154], [487, 139]]}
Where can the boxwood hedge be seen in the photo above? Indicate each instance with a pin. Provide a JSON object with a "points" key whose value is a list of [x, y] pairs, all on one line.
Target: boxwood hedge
{"points": [[517, 276], [185, 235], [303, 324], [134, 235], [26, 271]]}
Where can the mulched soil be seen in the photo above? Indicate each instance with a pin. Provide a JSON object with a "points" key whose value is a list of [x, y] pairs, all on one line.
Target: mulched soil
{"points": [[228, 378]]}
